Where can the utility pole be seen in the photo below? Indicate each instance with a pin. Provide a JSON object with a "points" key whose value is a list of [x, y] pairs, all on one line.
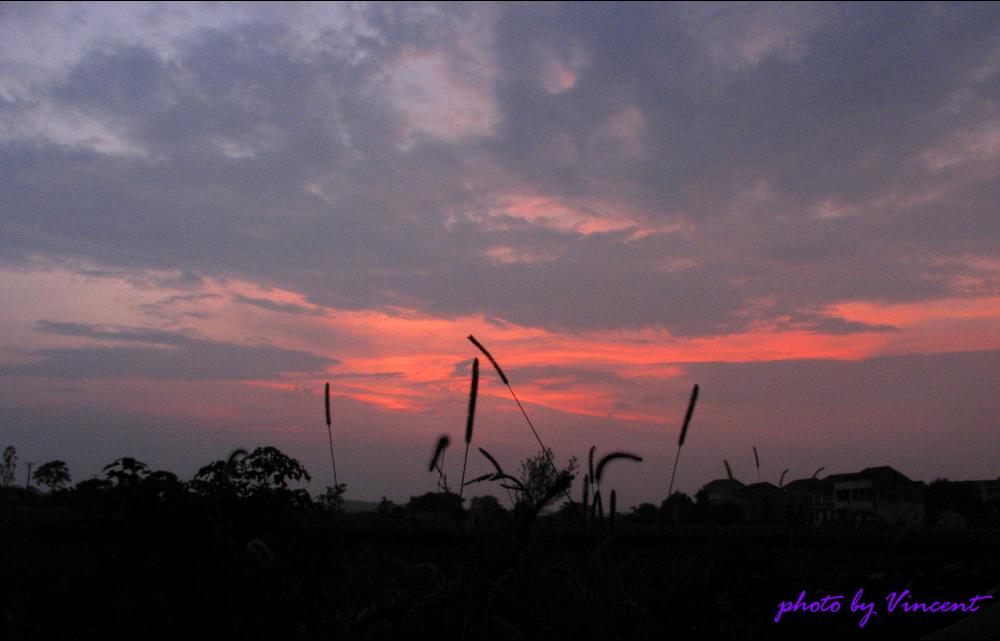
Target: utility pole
{"points": [[27, 483]]}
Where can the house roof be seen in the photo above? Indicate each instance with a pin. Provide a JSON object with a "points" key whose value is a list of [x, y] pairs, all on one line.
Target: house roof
{"points": [[805, 485], [719, 485], [883, 473], [762, 490]]}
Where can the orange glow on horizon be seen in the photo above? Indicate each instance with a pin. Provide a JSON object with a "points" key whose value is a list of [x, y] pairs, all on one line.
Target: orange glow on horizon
{"points": [[401, 360]]}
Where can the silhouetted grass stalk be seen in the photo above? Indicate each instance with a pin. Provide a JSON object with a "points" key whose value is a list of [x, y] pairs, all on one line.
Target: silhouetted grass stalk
{"points": [[437, 461], [500, 474], [545, 450], [608, 458], [503, 377], [756, 461], [473, 392], [588, 486], [598, 474], [680, 441], [329, 433]]}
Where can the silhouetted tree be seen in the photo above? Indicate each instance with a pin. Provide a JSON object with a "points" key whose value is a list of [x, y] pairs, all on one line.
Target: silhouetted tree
{"points": [[269, 467], [486, 507], [677, 507], [333, 498], [92, 486], [54, 475], [162, 486], [126, 472], [221, 478], [9, 466], [645, 513], [538, 476], [243, 475], [387, 507], [443, 503], [538, 486]]}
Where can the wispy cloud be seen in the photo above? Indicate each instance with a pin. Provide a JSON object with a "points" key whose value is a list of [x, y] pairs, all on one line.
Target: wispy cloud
{"points": [[285, 308], [179, 357]]}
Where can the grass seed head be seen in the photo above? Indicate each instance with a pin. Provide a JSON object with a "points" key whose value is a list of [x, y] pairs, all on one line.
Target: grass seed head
{"points": [[326, 399], [442, 444], [687, 416], [496, 366], [473, 393]]}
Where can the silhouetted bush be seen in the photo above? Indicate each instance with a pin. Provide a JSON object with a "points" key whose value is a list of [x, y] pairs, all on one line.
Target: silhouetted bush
{"points": [[439, 503]]}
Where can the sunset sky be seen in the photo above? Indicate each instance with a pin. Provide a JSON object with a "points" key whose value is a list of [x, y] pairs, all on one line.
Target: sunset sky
{"points": [[208, 211]]}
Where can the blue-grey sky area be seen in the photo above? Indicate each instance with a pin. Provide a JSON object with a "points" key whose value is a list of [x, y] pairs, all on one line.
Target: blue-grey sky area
{"points": [[209, 210]]}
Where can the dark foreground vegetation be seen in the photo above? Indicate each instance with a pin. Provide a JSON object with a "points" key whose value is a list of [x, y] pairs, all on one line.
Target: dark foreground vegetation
{"points": [[237, 552]]}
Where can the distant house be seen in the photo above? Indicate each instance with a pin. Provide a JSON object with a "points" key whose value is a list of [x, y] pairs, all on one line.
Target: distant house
{"points": [[762, 503], [989, 493], [720, 491], [963, 503], [987, 490], [810, 501], [876, 494]]}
